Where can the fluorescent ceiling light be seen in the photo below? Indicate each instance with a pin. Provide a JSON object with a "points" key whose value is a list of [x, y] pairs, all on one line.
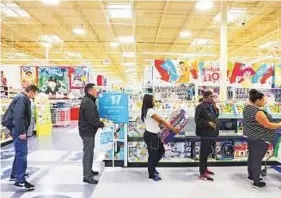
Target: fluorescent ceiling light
{"points": [[128, 64], [51, 2], [79, 30], [179, 54], [204, 5], [129, 54], [120, 11], [73, 54], [13, 10], [198, 55], [126, 39], [114, 44], [201, 41], [233, 15], [185, 34], [46, 44], [51, 39], [271, 44]]}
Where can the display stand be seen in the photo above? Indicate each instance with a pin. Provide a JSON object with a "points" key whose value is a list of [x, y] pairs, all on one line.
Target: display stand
{"points": [[43, 115]]}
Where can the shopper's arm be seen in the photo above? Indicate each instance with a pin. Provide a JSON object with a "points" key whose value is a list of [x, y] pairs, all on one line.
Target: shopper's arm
{"points": [[164, 123], [19, 111], [91, 117], [262, 119], [199, 120]]}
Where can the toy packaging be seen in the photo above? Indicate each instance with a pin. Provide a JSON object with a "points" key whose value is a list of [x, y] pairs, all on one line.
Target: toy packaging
{"points": [[137, 152], [227, 126], [179, 120], [240, 150], [136, 129], [240, 126], [239, 108], [226, 108], [224, 150], [178, 151]]}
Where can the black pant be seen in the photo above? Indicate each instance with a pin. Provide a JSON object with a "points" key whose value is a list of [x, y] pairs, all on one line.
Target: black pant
{"points": [[205, 150], [88, 156], [257, 151], [155, 151]]}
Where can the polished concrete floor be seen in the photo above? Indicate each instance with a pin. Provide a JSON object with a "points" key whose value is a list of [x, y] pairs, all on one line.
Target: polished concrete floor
{"points": [[54, 164]]}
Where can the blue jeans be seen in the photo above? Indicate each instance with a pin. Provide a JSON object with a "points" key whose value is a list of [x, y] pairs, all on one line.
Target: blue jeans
{"points": [[20, 161]]}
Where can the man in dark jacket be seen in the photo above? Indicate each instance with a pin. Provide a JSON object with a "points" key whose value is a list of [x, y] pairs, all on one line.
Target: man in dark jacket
{"points": [[206, 119], [89, 123], [17, 118]]}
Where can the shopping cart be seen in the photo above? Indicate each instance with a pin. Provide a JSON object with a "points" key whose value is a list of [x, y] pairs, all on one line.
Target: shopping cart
{"points": [[275, 147]]}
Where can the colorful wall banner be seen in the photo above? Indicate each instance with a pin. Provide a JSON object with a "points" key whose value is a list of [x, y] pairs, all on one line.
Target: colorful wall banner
{"points": [[277, 76], [54, 81], [114, 107], [28, 76], [78, 77]]}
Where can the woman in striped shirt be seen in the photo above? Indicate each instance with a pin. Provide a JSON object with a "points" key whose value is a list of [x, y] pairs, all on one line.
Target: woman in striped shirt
{"points": [[261, 131]]}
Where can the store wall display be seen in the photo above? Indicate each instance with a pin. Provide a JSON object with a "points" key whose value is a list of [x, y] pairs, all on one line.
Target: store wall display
{"points": [[29, 76], [209, 73], [180, 92], [54, 81], [43, 115], [78, 77], [114, 107], [203, 89], [178, 151], [137, 152], [250, 76], [241, 150]]}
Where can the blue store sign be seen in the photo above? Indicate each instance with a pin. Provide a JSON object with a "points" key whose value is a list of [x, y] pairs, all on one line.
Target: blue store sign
{"points": [[114, 107]]}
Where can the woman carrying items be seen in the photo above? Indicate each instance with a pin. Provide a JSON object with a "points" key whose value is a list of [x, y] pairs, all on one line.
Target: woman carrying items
{"points": [[261, 131], [154, 144]]}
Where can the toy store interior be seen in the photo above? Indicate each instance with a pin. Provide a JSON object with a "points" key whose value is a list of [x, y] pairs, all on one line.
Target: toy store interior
{"points": [[176, 51]]}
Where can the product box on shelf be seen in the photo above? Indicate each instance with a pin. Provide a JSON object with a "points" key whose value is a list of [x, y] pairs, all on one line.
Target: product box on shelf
{"points": [[239, 108], [240, 149], [227, 126], [240, 126], [178, 152], [224, 150], [274, 109], [136, 129], [196, 151], [137, 152], [226, 109]]}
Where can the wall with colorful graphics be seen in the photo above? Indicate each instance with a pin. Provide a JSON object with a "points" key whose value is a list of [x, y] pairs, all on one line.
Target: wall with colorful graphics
{"points": [[57, 82], [251, 75], [170, 72]]}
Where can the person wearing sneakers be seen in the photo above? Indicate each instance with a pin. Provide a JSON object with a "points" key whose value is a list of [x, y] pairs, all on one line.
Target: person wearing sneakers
{"points": [[17, 119], [206, 119], [154, 144], [88, 124], [261, 131]]}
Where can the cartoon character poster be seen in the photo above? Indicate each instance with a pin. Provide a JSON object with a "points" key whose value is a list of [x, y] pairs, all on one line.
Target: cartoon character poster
{"points": [[54, 81], [28, 76], [247, 75], [170, 72], [78, 77]]}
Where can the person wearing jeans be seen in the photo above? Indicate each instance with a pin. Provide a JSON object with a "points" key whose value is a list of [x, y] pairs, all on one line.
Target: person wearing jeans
{"points": [[154, 144], [17, 118], [261, 131]]}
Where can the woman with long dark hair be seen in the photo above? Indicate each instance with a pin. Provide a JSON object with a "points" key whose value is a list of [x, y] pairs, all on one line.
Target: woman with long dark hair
{"points": [[154, 145], [261, 131]]}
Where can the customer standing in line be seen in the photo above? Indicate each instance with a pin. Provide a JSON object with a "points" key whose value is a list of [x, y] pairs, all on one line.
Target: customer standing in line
{"points": [[89, 123], [206, 119], [261, 131], [154, 144], [17, 119]]}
